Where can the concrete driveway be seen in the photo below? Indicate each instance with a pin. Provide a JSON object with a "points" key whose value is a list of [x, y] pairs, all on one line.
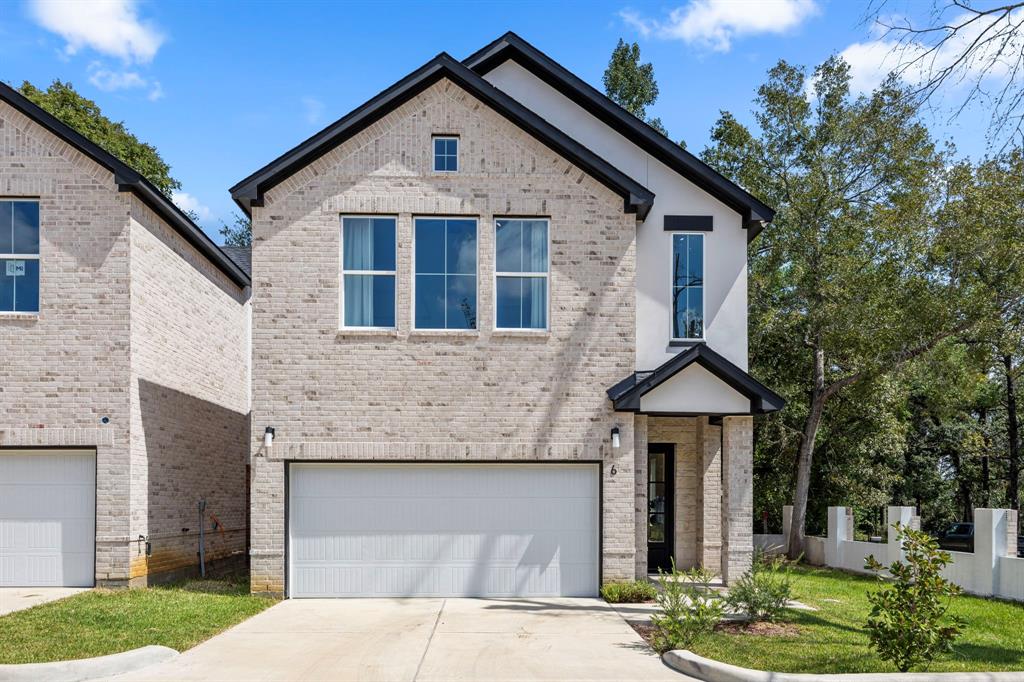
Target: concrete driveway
{"points": [[423, 639], [18, 598]]}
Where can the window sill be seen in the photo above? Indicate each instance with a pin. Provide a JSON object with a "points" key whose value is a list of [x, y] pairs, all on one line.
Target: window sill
{"points": [[366, 331], [444, 332], [685, 343], [18, 316], [523, 333]]}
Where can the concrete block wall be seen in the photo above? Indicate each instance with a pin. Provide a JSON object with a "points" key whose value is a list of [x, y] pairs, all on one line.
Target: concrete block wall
{"points": [[336, 394]]}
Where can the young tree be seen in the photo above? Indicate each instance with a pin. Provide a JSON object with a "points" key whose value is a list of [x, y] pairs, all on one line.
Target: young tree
{"points": [[852, 281], [631, 84], [63, 101]]}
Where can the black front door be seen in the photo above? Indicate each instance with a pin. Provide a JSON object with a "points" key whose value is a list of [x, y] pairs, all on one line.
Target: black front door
{"points": [[660, 505]]}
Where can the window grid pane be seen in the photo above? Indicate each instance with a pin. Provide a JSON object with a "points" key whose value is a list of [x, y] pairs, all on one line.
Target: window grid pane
{"points": [[688, 286], [368, 272], [445, 276], [446, 154], [19, 276], [521, 269]]}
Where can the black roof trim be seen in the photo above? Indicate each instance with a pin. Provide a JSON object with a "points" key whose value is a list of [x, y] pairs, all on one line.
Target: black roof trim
{"points": [[626, 394], [511, 46], [129, 180], [249, 192]]}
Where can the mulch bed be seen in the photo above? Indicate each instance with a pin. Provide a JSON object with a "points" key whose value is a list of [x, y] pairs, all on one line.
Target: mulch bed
{"points": [[647, 632]]}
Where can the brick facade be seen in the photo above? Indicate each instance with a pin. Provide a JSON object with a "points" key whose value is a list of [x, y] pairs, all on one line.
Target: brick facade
{"points": [[442, 396], [136, 327]]}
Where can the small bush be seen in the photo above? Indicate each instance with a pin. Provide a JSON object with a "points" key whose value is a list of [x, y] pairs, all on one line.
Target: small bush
{"points": [[907, 624], [762, 593], [690, 609], [629, 592]]}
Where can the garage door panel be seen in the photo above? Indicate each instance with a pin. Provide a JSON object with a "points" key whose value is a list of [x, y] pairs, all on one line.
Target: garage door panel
{"points": [[457, 530], [47, 518]]}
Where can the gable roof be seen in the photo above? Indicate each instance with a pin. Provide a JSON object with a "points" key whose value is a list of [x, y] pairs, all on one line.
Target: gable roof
{"points": [[242, 255], [249, 192], [626, 394], [128, 180], [510, 46]]}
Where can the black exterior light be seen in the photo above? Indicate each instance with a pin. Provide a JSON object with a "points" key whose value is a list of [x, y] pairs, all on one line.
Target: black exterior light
{"points": [[268, 437], [615, 438]]}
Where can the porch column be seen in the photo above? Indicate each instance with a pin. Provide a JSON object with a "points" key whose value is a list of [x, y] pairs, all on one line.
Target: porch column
{"points": [[709, 495], [640, 512], [737, 496]]}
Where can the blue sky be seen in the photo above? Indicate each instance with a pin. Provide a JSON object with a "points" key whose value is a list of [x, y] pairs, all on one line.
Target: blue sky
{"points": [[222, 88]]}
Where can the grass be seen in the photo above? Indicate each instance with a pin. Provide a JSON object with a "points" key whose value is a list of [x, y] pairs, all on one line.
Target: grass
{"points": [[833, 639], [101, 622]]}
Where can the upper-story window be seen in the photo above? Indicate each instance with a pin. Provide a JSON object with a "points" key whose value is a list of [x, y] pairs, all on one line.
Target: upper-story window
{"points": [[521, 274], [687, 286], [368, 272], [446, 154], [19, 256], [445, 273]]}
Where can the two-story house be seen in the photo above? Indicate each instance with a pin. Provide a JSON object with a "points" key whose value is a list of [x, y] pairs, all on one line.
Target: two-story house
{"points": [[499, 344], [124, 394]]}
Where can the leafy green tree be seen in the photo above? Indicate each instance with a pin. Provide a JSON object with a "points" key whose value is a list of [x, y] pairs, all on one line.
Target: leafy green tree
{"points": [[631, 84], [238, 232], [908, 623], [62, 101], [857, 276]]}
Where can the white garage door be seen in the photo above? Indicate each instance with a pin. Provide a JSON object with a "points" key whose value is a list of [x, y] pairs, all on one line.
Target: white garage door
{"points": [[47, 518], [451, 530]]}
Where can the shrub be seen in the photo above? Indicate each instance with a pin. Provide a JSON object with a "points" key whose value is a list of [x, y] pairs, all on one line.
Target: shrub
{"points": [[689, 609], [762, 592], [629, 592], [907, 624]]}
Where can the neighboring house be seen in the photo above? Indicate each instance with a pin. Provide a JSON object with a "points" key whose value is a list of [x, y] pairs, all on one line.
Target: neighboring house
{"points": [[499, 344], [123, 384]]}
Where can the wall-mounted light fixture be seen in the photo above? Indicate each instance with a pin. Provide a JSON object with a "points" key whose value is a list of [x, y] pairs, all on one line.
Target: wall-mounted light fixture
{"points": [[615, 438], [268, 437]]}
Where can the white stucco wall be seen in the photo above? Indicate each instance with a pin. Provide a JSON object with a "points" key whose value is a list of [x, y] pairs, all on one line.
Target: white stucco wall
{"points": [[694, 390], [725, 249]]}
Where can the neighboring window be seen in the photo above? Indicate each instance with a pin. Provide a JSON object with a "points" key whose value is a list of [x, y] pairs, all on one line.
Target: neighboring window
{"points": [[688, 286], [368, 272], [521, 274], [446, 153], [19, 256], [445, 278]]}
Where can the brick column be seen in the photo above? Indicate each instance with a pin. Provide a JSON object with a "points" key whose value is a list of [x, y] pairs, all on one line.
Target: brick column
{"points": [[737, 496], [709, 495], [640, 478]]}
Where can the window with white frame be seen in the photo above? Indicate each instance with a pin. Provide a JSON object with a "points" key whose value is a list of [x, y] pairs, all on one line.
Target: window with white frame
{"points": [[19, 256], [446, 154], [521, 274], [687, 286], [445, 273], [368, 272]]}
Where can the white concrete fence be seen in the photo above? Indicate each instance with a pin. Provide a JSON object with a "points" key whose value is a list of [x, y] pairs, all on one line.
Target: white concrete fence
{"points": [[992, 569]]}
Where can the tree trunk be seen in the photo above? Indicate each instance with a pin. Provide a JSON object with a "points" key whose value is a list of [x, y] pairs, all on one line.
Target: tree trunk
{"points": [[986, 489], [1013, 483], [806, 457]]}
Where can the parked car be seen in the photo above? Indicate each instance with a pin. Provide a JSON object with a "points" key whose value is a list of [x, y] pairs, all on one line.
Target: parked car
{"points": [[958, 538]]}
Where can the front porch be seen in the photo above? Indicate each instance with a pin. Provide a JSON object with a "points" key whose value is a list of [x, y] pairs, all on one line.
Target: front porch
{"points": [[693, 449]]}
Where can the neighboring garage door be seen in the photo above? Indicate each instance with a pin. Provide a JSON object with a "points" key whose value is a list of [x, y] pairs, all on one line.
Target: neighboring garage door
{"points": [[443, 530], [47, 518]]}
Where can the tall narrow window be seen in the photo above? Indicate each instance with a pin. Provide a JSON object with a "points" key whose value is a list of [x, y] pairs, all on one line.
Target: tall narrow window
{"points": [[446, 154], [521, 274], [688, 286], [368, 272], [19, 256], [445, 277]]}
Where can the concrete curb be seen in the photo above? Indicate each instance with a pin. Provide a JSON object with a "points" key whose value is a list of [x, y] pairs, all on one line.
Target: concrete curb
{"points": [[710, 670], [87, 668]]}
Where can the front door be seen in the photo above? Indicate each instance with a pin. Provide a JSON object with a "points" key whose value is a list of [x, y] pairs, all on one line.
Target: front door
{"points": [[660, 506]]}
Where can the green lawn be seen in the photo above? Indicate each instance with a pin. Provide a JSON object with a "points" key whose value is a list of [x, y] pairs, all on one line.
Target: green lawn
{"points": [[833, 640], [103, 622]]}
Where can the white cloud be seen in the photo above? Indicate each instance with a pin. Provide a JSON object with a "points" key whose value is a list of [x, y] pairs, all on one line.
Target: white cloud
{"points": [[155, 92], [108, 80], [314, 109], [871, 61], [187, 202], [110, 27], [714, 24]]}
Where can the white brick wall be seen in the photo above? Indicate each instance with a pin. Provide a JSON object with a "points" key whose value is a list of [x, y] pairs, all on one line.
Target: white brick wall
{"points": [[404, 395]]}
